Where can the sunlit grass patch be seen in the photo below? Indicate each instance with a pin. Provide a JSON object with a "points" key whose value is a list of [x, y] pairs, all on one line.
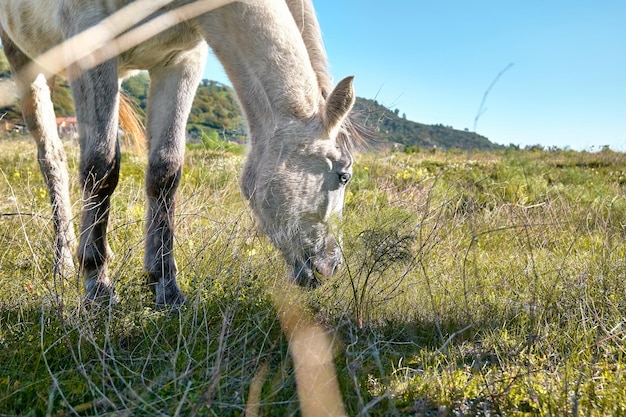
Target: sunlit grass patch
{"points": [[483, 283]]}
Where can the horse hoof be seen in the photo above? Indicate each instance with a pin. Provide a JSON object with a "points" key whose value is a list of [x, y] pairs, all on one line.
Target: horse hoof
{"points": [[100, 293], [170, 299], [167, 294]]}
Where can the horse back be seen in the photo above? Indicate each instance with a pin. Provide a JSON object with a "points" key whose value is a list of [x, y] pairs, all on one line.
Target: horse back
{"points": [[35, 26]]}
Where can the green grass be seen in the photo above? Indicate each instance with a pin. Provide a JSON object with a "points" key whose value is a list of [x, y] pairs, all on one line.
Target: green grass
{"points": [[489, 283]]}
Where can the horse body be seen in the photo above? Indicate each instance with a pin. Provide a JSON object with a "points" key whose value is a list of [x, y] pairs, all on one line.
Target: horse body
{"points": [[299, 158], [36, 26]]}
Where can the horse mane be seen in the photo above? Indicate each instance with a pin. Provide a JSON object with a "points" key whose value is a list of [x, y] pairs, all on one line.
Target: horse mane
{"points": [[304, 15], [354, 134]]}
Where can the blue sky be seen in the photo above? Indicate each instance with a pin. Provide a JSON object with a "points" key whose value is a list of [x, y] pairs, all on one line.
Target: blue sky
{"points": [[434, 60]]}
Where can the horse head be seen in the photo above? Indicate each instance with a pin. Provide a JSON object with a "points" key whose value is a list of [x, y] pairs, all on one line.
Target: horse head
{"points": [[295, 183]]}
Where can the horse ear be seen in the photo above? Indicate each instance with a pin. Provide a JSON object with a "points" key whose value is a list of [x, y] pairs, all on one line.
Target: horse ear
{"points": [[339, 104]]}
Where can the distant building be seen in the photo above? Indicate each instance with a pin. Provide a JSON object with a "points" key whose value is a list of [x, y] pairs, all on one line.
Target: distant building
{"points": [[67, 126]]}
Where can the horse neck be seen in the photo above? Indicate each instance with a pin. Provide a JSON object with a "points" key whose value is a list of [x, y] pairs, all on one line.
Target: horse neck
{"points": [[265, 57]]}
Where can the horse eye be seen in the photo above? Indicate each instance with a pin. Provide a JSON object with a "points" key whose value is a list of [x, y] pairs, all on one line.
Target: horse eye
{"points": [[344, 177]]}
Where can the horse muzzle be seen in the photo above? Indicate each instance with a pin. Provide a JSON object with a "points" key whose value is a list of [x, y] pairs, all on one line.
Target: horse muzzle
{"points": [[311, 272]]}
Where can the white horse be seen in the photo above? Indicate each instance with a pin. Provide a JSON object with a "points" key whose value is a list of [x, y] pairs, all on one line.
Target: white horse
{"points": [[300, 131]]}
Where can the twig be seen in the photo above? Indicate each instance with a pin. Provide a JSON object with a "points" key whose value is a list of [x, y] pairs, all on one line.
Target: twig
{"points": [[373, 403], [36, 215], [451, 337], [481, 109]]}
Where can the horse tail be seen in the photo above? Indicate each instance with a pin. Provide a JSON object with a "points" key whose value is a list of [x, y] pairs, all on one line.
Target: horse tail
{"points": [[134, 132]]}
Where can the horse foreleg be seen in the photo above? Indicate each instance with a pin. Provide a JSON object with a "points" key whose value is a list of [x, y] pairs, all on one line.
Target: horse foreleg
{"points": [[34, 89], [96, 97], [172, 88]]}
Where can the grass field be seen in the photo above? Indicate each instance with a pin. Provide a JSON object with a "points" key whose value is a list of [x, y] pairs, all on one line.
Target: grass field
{"points": [[474, 284]]}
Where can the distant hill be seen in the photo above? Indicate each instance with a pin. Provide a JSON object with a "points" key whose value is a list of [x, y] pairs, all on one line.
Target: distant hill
{"points": [[395, 129], [215, 109]]}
